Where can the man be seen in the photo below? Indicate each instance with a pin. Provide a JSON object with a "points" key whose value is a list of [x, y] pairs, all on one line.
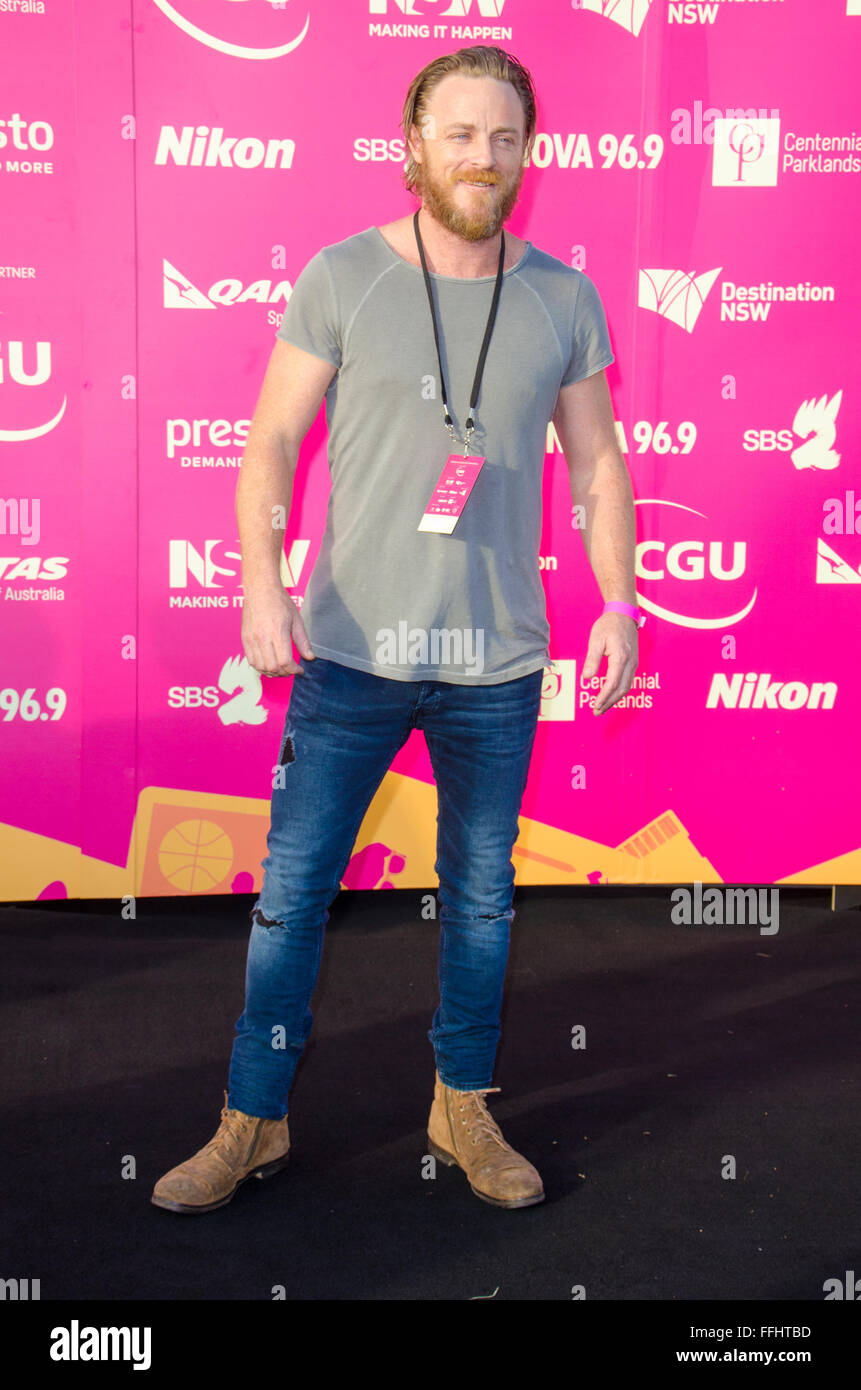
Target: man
{"points": [[434, 337]]}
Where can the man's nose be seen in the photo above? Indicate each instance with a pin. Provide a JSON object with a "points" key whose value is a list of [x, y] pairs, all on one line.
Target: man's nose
{"points": [[482, 151]]}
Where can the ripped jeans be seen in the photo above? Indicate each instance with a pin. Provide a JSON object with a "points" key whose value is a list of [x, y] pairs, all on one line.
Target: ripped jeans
{"points": [[342, 730]]}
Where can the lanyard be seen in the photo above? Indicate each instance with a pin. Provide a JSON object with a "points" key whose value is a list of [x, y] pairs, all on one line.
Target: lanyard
{"points": [[479, 371]]}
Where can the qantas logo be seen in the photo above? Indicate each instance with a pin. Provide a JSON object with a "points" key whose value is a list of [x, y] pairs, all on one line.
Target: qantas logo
{"points": [[223, 45], [676, 295], [831, 568], [180, 293]]}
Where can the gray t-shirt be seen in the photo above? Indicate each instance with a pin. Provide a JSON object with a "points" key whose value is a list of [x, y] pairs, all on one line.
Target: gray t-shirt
{"points": [[384, 597]]}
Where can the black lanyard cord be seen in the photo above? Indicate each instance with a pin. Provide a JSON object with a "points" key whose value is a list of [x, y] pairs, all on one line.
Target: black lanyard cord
{"points": [[488, 333]]}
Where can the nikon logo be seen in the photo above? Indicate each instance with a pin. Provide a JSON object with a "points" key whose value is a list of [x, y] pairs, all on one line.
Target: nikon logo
{"points": [[202, 147], [761, 692]]}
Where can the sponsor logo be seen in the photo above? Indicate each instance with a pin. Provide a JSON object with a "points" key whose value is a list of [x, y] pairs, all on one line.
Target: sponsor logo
{"points": [[754, 691], [436, 10], [853, 6], [559, 691], [817, 419], [752, 303], [14, 369], [813, 154], [236, 679], [831, 568], [690, 561], [205, 147], [631, 14], [188, 566], [180, 433], [746, 152], [675, 295], [181, 293], [561, 696], [29, 136], [813, 418], [222, 45], [574, 151]]}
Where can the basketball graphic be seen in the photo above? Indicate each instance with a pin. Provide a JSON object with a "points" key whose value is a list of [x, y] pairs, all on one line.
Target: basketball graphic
{"points": [[195, 856]]}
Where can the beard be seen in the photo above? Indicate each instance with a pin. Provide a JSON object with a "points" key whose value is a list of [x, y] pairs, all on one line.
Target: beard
{"points": [[438, 198]]}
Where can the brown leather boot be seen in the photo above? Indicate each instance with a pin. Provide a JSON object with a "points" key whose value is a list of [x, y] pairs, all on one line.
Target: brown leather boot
{"points": [[244, 1146], [462, 1131]]}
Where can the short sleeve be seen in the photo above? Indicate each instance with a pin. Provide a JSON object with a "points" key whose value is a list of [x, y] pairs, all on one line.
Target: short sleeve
{"points": [[310, 319], [590, 345]]}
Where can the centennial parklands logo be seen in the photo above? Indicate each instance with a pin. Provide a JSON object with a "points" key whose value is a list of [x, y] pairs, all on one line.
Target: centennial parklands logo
{"points": [[559, 691], [853, 6], [631, 14], [695, 572], [675, 294], [746, 152], [181, 293], [238, 31]]}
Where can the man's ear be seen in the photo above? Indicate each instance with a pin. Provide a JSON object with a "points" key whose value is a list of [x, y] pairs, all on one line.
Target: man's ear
{"points": [[415, 144]]}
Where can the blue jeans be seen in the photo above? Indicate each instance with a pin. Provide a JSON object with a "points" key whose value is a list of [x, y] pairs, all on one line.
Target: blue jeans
{"points": [[342, 730]]}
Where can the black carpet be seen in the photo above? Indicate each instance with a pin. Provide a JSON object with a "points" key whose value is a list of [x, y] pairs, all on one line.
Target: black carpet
{"points": [[701, 1043]]}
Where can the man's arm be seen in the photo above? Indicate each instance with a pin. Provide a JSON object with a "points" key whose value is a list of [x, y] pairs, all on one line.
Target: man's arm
{"points": [[293, 388], [600, 484]]}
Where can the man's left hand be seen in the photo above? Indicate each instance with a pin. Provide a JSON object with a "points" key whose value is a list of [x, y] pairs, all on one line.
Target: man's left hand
{"points": [[614, 636]]}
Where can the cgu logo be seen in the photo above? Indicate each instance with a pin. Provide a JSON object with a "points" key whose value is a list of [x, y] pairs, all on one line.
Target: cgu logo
{"points": [[228, 18], [187, 562], [14, 369], [690, 561], [488, 9]]}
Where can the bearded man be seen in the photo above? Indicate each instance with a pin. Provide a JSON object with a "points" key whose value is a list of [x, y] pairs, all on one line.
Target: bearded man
{"points": [[443, 346]]}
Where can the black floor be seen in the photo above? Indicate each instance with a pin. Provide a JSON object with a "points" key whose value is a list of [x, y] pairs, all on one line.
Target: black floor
{"points": [[701, 1043]]}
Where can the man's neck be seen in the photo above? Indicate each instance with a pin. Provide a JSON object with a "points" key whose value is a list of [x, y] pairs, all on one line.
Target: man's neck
{"points": [[450, 254]]}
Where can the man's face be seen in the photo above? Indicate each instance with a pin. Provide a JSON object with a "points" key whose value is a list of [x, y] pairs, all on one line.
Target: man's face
{"points": [[471, 157]]}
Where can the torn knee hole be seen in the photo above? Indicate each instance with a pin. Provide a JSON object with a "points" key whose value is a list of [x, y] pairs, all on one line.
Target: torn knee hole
{"points": [[258, 917], [288, 754]]}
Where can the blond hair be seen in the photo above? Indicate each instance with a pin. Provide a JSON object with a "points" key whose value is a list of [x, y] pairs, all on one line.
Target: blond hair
{"points": [[480, 61]]}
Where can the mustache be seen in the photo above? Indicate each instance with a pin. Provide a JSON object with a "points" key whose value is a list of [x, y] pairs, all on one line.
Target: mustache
{"points": [[477, 178]]}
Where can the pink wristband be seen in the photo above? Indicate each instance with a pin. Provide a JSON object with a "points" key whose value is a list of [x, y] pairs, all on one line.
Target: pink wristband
{"points": [[615, 607]]}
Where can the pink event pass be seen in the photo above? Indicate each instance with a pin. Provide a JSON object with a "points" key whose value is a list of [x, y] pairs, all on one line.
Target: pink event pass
{"points": [[449, 496]]}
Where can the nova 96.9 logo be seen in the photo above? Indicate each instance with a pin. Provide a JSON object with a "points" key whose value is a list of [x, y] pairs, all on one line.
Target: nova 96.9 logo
{"points": [[240, 28]]}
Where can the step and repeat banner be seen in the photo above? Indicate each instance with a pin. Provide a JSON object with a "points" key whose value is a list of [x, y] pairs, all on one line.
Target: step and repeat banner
{"points": [[168, 167]]}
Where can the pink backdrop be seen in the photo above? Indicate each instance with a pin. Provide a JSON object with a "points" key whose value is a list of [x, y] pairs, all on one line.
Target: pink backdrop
{"points": [[168, 169]]}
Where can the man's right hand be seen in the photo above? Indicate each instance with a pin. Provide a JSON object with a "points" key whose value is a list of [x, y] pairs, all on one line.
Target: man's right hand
{"points": [[270, 621]]}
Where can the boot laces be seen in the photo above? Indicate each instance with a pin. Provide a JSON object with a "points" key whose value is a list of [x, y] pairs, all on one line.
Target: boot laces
{"points": [[483, 1124], [232, 1134]]}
